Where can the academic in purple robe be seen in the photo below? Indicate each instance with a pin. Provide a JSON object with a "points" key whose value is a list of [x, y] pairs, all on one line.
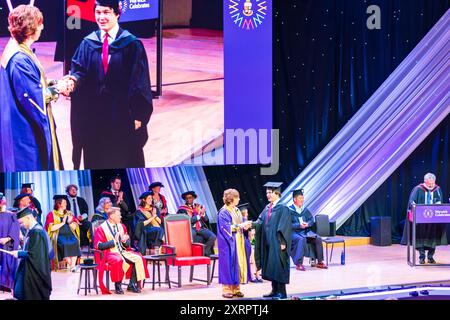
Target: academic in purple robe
{"points": [[229, 249], [9, 227]]}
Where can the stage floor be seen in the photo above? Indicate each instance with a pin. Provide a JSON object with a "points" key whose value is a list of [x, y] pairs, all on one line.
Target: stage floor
{"points": [[190, 113], [366, 266]]}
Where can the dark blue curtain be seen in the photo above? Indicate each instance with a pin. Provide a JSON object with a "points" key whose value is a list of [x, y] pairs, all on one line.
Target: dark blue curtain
{"points": [[327, 63]]}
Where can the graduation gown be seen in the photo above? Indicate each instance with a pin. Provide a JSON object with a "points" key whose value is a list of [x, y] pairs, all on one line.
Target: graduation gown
{"points": [[428, 235], [151, 234], [105, 106], [116, 256], [234, 258], [9, 227], [33, 277], [65, 241], [28, 139], [273, 232]]}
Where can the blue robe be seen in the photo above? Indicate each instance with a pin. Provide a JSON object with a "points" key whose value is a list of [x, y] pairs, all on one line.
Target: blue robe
{"points": [[228, 253], [27, 130], [9, 227], [300, 248]]}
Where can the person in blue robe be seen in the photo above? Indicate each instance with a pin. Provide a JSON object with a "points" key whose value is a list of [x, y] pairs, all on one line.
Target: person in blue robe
{"points": [[234, 262], [9, 240], [28, 140]]}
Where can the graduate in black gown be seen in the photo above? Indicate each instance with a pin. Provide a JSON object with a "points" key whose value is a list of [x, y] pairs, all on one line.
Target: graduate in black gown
{"points": [[33, 277], [148, 226], [303, 235], [275, 242], [9, 240], [112, 100], [428, 235]]}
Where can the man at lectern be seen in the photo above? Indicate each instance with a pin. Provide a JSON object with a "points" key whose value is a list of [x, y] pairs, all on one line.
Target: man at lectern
{"points": [[428, 235]]}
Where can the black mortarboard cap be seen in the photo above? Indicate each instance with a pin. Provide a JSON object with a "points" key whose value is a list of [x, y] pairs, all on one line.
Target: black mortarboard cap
{"points": [[155, 184], [145, 195], [187, 193], [59, 196], [22, 195], [273, 185], [298, 192], [243, 206], [24, 212], [27, 185]]}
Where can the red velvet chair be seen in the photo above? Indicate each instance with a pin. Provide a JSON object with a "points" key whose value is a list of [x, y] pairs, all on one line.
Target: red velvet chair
{"points": [[179, 241]]}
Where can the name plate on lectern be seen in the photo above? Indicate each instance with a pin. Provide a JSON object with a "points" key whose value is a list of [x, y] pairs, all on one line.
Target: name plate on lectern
{"points": [[436, 213]]}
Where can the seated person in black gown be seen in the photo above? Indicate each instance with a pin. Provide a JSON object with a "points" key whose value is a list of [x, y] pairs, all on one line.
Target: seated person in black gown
{"points": [[64, 232], [302, 234], [199, 221], [148, 230]]}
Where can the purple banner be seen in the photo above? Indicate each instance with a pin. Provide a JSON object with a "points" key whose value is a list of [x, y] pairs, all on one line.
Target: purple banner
{"points": [[248, 78], [437, 213], [136, 10]]}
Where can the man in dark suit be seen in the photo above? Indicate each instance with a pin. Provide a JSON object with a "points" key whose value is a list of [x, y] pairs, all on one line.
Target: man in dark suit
{"points": [[302, 234], [119, 200], [80, 210]]}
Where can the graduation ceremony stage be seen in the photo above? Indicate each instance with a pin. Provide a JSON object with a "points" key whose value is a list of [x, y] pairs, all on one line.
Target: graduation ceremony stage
{"points": [[187, 118], [367, 268]]}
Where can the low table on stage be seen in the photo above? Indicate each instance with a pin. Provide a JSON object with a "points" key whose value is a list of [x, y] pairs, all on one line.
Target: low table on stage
{"points": [[156, 259], [424, 213]]}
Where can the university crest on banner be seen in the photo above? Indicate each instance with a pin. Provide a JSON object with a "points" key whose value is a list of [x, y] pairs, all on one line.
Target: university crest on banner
{"points": [[248, 14]]}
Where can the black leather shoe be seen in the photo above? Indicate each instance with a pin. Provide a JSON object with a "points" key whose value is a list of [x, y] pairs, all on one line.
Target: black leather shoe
{"points": [[279, 296], [422, 261], [134, 288], [270, 295], [431, 260], [118, 288]]}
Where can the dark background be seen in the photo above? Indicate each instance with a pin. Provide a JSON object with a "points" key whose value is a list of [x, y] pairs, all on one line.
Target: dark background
{"points": [[318, 87]]}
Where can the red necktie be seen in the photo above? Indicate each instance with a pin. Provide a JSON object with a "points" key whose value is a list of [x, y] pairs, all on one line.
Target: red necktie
{"points": [[269, 211], [105, 53], [197, 224]]}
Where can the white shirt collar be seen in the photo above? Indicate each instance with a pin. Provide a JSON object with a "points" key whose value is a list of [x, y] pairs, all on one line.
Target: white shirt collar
{"points": [[33, 225], [276, 202], [299, 210], [111, 33]]}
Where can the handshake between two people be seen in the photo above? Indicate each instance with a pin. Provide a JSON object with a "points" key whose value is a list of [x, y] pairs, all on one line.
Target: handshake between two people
{"points": [[246, 225], [66, 85]]}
